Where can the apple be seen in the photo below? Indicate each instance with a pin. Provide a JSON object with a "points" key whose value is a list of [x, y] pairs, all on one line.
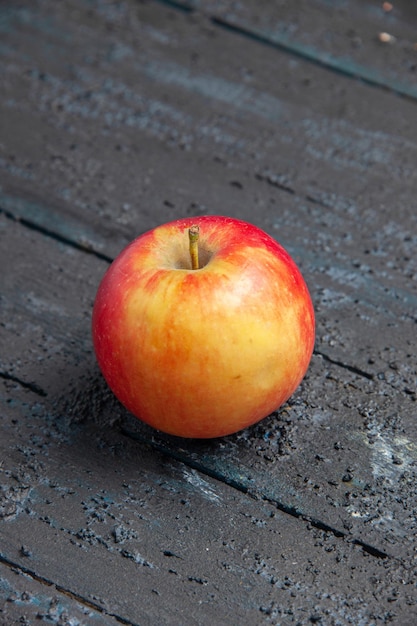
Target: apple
{"points": [[203, 326]]}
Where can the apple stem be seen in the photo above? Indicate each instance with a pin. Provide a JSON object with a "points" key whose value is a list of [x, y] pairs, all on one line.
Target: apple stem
{"points": [[193, 234]]}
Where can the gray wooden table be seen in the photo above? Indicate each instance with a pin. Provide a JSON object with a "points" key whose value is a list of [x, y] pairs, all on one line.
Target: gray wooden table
{"points": [[300, 117]]}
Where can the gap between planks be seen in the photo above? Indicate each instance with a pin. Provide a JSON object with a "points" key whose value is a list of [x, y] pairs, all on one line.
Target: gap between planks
{"points": [[240, 486], [66, 592]]}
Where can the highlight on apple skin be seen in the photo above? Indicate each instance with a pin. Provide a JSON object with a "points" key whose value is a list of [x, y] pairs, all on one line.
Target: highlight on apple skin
{"points": [[204, 352]]}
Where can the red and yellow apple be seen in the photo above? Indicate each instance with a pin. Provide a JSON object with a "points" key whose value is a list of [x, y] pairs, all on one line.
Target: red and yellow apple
{"points": [[203, 348]]}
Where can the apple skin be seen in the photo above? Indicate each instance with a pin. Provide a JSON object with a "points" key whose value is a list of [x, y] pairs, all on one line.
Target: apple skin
{"points": [[203, 353]]}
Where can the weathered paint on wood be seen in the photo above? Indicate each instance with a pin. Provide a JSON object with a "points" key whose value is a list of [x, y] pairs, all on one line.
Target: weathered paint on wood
{"points": [[136, 118]]}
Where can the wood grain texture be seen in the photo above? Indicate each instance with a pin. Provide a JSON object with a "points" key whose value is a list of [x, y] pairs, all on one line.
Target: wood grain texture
{"points": [[117, 117]]}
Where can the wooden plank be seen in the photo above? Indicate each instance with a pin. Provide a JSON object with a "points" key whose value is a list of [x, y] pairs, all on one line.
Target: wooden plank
{"points": [[129, 534], [374, 42]]}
